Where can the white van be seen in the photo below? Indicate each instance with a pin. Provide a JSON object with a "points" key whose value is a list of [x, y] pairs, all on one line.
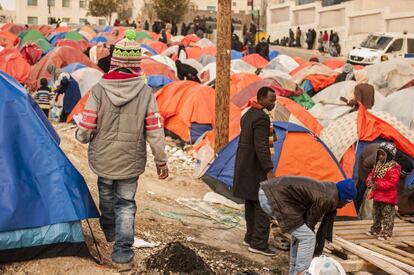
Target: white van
{"points": [[379, 47]]}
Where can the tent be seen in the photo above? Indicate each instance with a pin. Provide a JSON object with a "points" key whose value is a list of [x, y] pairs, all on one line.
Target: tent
{"points": [[191, 38], [166, 61], [76, 36], [73, 67], [86, 78], [142, 35], [60, 57], [13, 63], [389, 76], [81, 45], [235, 54], [43, 196], [255, 60], [13, 28], [8, 38], [400, 105], [31, 52], [37, 38], [88, 32], [153, 67], [157, 46], [282, 63], [297, 152], [187, 108]]}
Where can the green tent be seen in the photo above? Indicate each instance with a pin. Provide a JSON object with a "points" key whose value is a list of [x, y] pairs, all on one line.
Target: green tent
{"points": [[35, 37], [74, 36], [141, 35], [305, 100]]}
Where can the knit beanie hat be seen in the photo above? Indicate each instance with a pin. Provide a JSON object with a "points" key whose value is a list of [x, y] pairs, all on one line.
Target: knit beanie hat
{"points": [[346, 190], [127, 53], [390, 149]]}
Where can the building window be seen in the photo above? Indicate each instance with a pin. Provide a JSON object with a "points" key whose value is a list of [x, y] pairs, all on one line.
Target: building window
{"points": [[51, 3], [32, 2], [102, 22], [82, 21], [66, 3], [32, 20], [234, 4], [211, 8], [83, 4], [65, 19]]}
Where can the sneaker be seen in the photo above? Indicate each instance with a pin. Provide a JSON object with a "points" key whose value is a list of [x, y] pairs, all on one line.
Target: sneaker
{"points": [[384, 237], [124, 267], [267, 251], [246, 243]]}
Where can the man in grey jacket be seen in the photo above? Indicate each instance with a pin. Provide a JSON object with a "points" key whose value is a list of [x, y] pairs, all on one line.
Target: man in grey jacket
{"points": [[120, 116]]}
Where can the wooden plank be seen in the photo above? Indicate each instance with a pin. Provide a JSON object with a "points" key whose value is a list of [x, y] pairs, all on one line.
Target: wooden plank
{"points": [[362, 222], [396, 250], [396, 234], [383, 262], [387, 253], [370, 239], [356, 265], [409, 243], [405, 230], [368, 226]]}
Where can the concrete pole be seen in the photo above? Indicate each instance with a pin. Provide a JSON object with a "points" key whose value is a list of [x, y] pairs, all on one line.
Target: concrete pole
{"points": [[223, 74]]}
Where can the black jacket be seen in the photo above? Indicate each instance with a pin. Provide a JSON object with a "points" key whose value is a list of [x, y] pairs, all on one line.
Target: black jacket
{"points": [[253, 159], [296, 201]]}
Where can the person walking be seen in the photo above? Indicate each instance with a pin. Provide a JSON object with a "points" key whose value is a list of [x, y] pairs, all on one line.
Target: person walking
{"points": [[291, 38], [120, 116], [298, 204], [383, 183], [325, 39], [43, 96], [253, 165]]}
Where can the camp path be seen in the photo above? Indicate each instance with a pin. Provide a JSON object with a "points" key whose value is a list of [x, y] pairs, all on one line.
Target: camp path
{"points": [[160, 219]]}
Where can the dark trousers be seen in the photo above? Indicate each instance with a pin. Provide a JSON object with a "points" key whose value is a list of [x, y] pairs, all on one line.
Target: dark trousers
{"points": [[361, 188], [258, 225]]}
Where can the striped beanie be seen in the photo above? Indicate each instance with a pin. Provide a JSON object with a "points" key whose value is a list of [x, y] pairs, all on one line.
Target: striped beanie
{"points": [[127, 53]]}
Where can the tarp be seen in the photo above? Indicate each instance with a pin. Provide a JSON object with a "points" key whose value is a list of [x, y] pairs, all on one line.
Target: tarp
{"points": [[36, 37], [255, 60], [13, 63], [31, 52], [235, 55], [158, 81], [86, 78], [79, 107], [310, 68], [81, 45], [401, 105], [192, 38], [74, 36], [297, 152], [282, 63], [142, 35], [60, 57], [320, 82], [273, 55], [39, 184], [73, 67], [334, 63], [153, 67]]}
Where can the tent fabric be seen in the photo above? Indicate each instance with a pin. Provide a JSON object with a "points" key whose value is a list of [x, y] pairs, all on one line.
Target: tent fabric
{"points": [[255, 60], [14, 64], [331, 94], [10, 37], [158, 81], [88, 32], [407, 85], [13, 28], [371, 127], [204, 42], [235, 55], [193, 63], [60, 57], [166, 61], [55, 37], [389, 76], [149, 49], [35, 171], [36, 37], [142, 35], [81, 45], [320, 82], [73, 67], [157, 46], [99, 39], [206, 59], [199, 106], [86, 78], [74, 36], [31, 52], [192, 38], [334, 63], [400, 105], [79, 107], [297, 152], [282, 63], [153, 67], [273, 55], [309, 69]]}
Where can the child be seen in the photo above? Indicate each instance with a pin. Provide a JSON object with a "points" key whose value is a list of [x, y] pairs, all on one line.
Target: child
{"points": [[43, 96], [383, 181]]}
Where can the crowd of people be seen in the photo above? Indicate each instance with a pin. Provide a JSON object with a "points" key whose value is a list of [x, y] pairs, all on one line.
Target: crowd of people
{"points": [[326, 42]]}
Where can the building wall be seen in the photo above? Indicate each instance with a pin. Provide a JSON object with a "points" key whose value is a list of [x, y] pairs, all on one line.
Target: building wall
{"points": [[353, 19], [74, 14], [7, 16]]}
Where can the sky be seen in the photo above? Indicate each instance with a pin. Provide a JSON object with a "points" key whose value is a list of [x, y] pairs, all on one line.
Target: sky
{"points": [[8, 4]]}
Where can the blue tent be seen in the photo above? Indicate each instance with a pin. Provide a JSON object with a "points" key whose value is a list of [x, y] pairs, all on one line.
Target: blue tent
{"points": [[43, 197], [235, 55], [151, 50], [158, 81], [98, 39], [220, 174], [273, 55], [54, 38], [73, 67], [107, 29]]}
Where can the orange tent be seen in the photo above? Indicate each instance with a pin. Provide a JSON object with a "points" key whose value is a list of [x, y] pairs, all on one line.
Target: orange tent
{"points": [[31, 52], [9, 36], [119, 32], [191, 38], [255, 60], [60, 57], [209, 50], [299, 60], [320, 82], [194, 52], [79, 107], [154, 35], [334, 63], [13, 28], [87, 32], [301, 67], [182, 103], [158, 46], [240, 81], [45, 30], [12, 62], [153, 67], [81, 45], [60, 29], [371, 127]]}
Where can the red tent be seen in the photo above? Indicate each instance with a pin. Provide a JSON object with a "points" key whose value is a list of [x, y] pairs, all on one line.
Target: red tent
{"points": [[13, 63], [255, 60]]}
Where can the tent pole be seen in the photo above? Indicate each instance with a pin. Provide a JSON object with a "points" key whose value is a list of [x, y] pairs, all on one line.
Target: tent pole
{"points": [[96, 244]]}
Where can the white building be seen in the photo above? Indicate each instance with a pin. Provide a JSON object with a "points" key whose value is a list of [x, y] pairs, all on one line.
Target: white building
{"points": [[38, 12], [353, 19]]}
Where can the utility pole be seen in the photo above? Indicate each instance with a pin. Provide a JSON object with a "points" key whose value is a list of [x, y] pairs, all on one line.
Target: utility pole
{"points": [[223, 74]]}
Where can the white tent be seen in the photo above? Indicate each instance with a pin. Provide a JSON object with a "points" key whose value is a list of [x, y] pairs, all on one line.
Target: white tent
{"points": [[166, 60], [86, 78], [387, 77], [400, 105], [282, 63]]}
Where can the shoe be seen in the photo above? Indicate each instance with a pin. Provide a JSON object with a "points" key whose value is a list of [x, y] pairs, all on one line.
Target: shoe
{"points": [[246, 243], [371, 233], [384, 237], [267, 251], [124, 267]]}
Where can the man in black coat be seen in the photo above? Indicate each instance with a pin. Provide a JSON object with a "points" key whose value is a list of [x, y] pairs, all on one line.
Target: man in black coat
{"points": [[262, 48], [253, 165], [298, 203]]}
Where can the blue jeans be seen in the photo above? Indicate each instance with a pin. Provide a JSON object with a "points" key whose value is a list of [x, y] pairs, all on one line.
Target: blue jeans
{"points": [[118, 208], [302, 243], [302, 246]]}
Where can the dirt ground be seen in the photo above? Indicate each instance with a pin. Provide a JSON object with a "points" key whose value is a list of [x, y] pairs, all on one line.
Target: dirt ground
{"points": [[217, 244]]}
